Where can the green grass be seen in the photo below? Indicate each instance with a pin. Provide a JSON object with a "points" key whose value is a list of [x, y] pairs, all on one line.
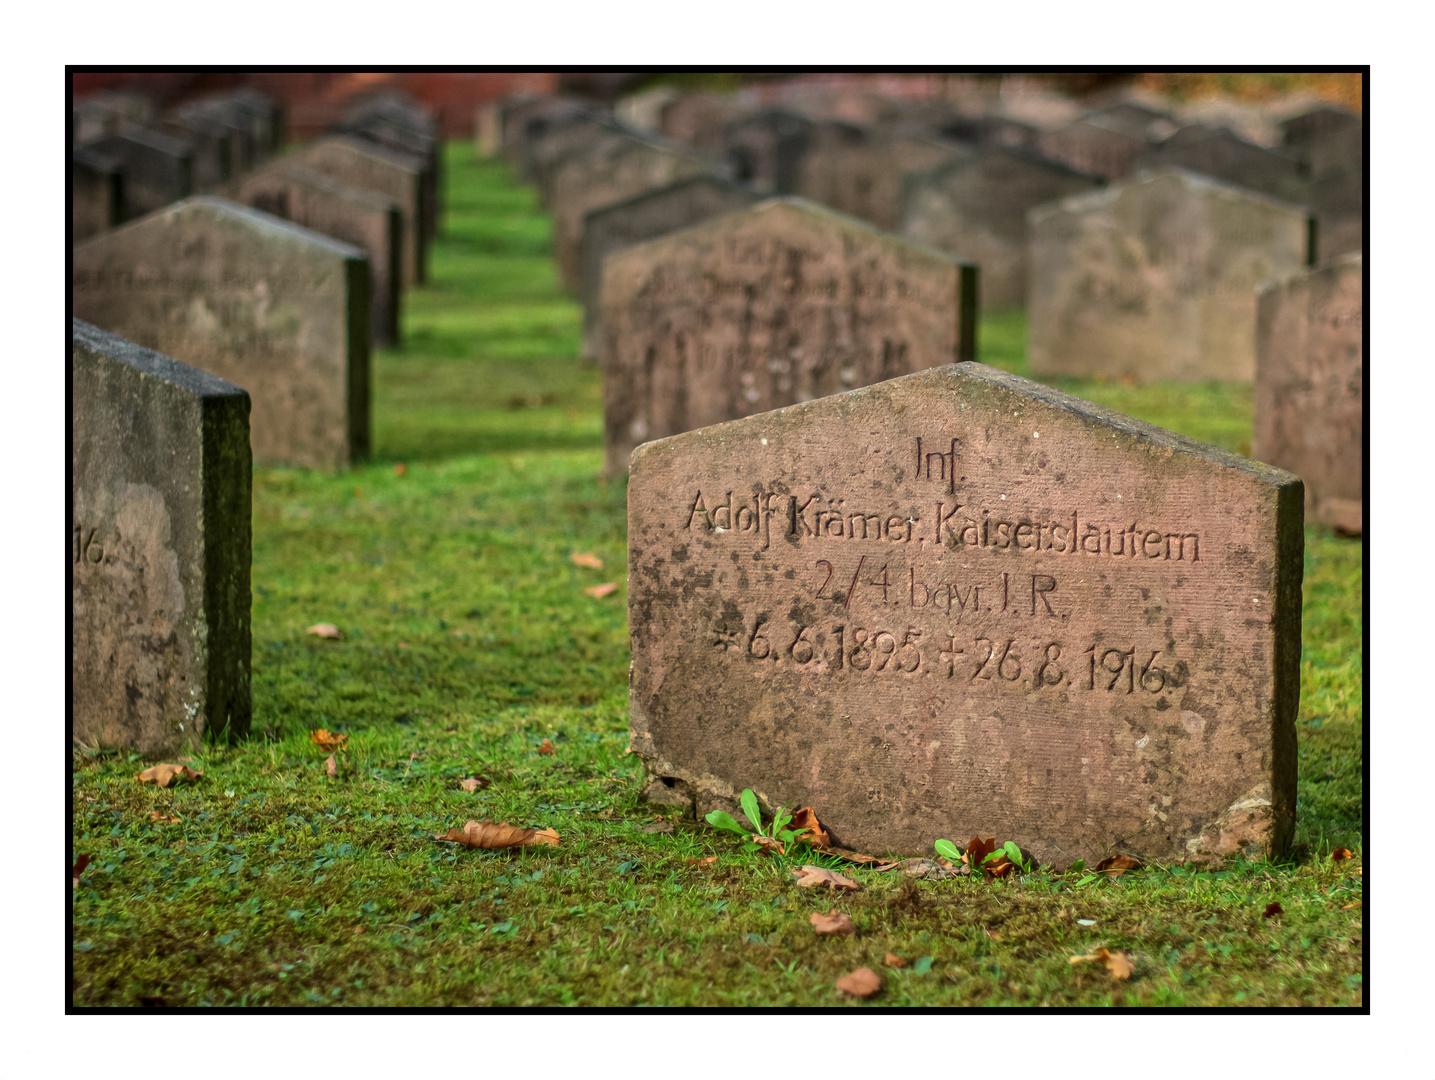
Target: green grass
{"points": [[469, 640]]}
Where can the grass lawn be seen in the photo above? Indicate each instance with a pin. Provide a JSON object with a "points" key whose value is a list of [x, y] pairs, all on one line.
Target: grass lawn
{"points": [[470, 649]]}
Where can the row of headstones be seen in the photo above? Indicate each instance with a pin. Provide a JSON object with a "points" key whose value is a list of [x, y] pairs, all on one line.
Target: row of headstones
{"points": [[281, 280], [706, 303]]}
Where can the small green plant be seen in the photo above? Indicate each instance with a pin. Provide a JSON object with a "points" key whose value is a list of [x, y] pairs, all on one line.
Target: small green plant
{"points": [[775, 831], [1009, 850]]}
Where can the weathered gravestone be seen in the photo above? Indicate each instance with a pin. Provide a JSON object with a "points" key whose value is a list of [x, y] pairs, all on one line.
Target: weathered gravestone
{"points": [[97, 193], [159, 549], [1310, 387], [765, 149], [620, 225], [699, 121], [962, 603], [410, 132], [605, 172], [237, 125], [1155, 278], [780, 303], [394, 176], [548, 139], [1220, 153], [210, 145], [860, 172], [1095, 144], [158, 168], [368, 221], [975, 208], [277, 309]]}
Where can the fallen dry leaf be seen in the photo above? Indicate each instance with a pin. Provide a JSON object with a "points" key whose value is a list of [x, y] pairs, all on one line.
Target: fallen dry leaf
{"points": [[1349, 906], [809, 829], [864, 982], [400, 469], [706, 860], [164, 775], [587, 558], [1116, 865], [161, 816], [978, 850], [858, 858], [1274, 909], [1117, 963], [597, 592], [834, 922], [999, 868], [331, 766], [474, 783], [892, 960], [1341, 853], [404, 645], [659, 827], [767, 843], [81, 862], [485, 834], [927, 869], [989, 934], [546, 747], [810, 877], [328, 743], [325, 629]]}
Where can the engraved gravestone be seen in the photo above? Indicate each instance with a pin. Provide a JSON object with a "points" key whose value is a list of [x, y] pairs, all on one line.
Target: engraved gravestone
{"points": [[782, 302], [272, 307], [622, 224], [1156, 277], [159, 549], [363, 218], [863, 175], [1310, 387], [975, 208], [962, 603], [394, 176]]}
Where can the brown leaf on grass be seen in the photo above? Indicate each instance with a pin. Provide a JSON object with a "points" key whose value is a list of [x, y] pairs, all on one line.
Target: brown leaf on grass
{"points": [[164, 775], [858, 858], [1117, 963], [767, 843], [326, 742], [486, 834], [1273, 909], [706, 860], [864, 982], [326, 630], [1341, 853], [587, 558], [81, 862], [163, 818], [978, 850], [1349, 906], [400, 469], [1116, 865], [999, 868], [892, 960], [834, 922], [809, 829], [811, 877], [474, 783], [597, 592], [659, 827], [331, 766], [546, 747]]}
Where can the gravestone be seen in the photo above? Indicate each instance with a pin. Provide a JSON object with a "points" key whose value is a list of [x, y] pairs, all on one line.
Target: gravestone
{"points": [[699, 121], [1219, 153], [1315, 124], [961, 603], [1095, 145], [780, 303], [158, 168], [404, 134], [975, 208], [514, 117], [622, 224], [1310, 387], [605, 172], [239, 127], [97, 193], [159, 550], [1337, 189], [1155, 278], [393, 176], [272, 307], [553, 140], [992, 130], [368, 221], [860, 173], [765, 149], [210, 145]]}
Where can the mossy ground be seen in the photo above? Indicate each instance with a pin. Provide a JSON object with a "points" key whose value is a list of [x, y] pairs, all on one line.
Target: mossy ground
{"points": [[469, 640]]}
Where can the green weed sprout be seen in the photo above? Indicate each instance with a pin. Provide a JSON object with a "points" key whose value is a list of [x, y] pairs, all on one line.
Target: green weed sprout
{"points": [[952, 853], [753, 813]]}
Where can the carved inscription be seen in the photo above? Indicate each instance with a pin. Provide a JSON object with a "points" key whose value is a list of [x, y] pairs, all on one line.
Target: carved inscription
{"points": [[85, 546]]}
